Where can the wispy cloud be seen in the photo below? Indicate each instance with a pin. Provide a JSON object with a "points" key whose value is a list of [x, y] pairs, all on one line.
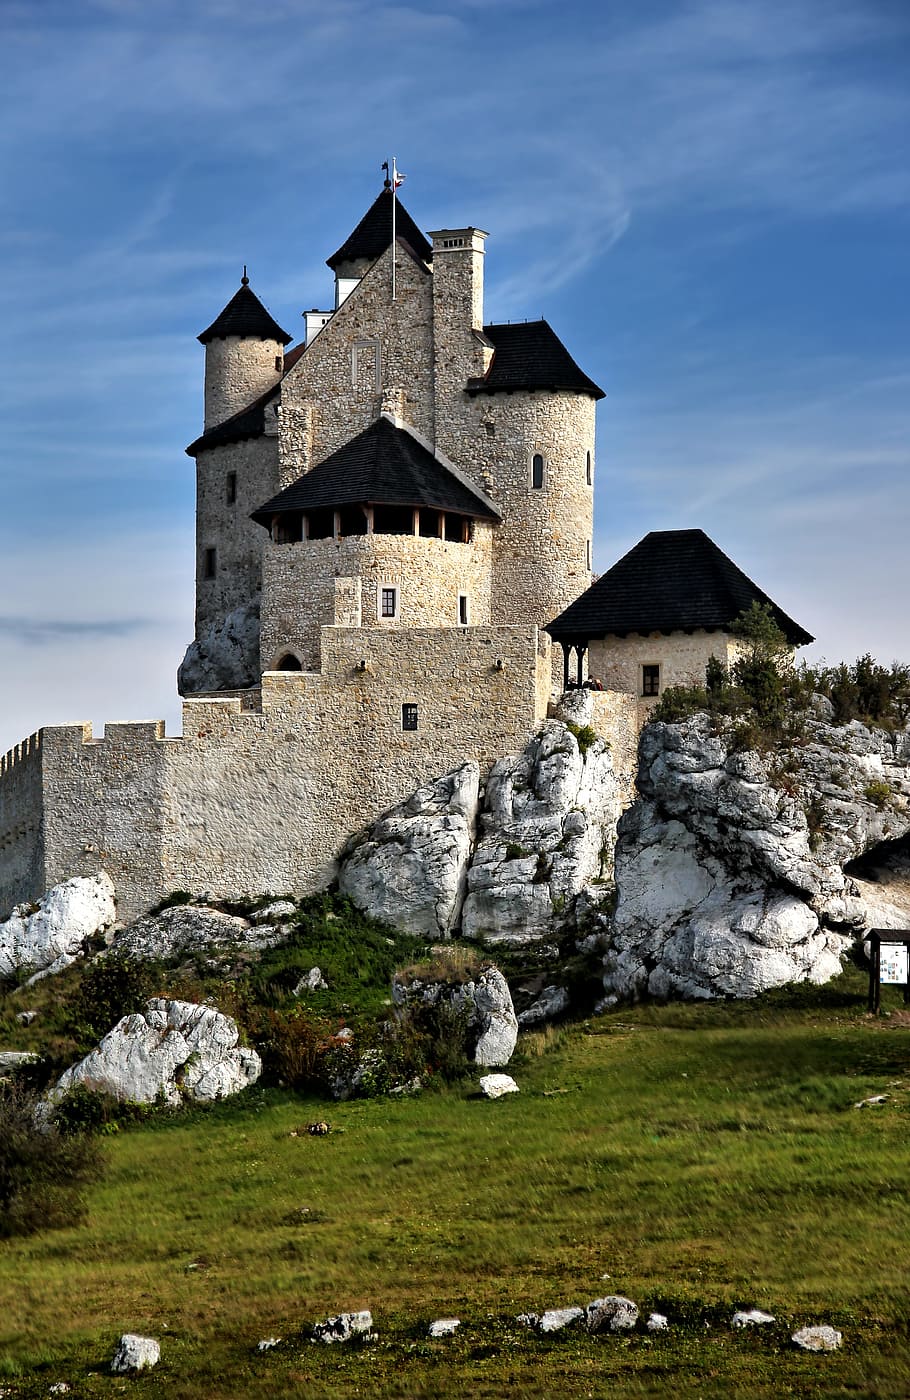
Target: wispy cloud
{"points": [[42, 633]]}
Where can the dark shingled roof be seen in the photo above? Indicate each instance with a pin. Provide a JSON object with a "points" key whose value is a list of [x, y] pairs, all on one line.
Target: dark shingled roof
{"points": [[245, 316], [373, 234], [248, 423], [383, 464], [530, 355], [673, 580]]}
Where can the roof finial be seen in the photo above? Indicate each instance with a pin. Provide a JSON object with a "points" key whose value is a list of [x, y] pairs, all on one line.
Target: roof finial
{"points": [[244, 281]]}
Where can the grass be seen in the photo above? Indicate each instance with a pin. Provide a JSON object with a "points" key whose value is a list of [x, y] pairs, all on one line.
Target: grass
{"points": [[703, 1157]]}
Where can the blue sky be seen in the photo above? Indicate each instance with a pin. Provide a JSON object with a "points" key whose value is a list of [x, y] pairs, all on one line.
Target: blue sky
{"points": [[709, 201]]}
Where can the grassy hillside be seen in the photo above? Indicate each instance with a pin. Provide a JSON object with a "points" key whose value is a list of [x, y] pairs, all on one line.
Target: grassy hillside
{"points": [[701, 1157]]}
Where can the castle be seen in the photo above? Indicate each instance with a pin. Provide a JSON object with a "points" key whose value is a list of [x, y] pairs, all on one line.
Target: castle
{"points": [[388, 517]]}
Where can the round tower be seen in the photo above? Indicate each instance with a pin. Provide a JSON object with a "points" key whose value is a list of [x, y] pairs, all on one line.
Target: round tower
{"points": [[244, 355]]}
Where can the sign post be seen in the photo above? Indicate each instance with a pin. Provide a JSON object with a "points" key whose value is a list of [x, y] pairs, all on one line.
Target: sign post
{"points": [[890, 963]]}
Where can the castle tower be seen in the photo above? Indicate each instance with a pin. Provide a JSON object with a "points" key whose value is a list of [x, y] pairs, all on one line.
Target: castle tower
{"points": [[244, 355], [460, 351]]}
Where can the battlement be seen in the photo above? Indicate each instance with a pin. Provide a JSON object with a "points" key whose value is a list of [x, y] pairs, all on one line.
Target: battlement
{"points": [[29, 748]]}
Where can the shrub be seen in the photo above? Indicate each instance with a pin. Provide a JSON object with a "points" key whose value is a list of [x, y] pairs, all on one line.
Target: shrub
{"points": [[877, 792], [112, 987], [678, 702], [293, 1045], [585, 735], [42, 1171]]}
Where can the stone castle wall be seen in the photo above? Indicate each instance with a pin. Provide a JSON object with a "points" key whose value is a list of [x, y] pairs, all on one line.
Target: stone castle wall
{"points": [[225, 525], [299, 586], [253, 801], [237, 370], [682, 657]]}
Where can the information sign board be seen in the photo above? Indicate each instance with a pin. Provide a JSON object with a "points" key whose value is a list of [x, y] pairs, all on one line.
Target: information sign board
{"points": [[889, 962]]}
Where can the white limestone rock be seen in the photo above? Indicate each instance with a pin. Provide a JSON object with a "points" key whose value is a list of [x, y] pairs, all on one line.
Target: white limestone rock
{"points": [[186, 929], [548, 827], [552, 1002], [225, 657], [494, 1086], [59, 930], [614, 1313], [312, 981], [445, 1327], [721, 888], [752, 1317], [174, 1049], [410, 866], [135, 1353], [343, 1327], [657, 1322], [558, 1319], [491, 1021], [818, 1338]]}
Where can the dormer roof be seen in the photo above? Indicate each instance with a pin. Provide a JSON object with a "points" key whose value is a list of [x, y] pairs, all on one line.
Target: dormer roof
{"points": [[671, 581], [373, 234], [246, 317], [530, 355], [384, 465]]}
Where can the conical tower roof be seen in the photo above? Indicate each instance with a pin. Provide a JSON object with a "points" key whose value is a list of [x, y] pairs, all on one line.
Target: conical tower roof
{"points": [[373, 234], [245, 316]]}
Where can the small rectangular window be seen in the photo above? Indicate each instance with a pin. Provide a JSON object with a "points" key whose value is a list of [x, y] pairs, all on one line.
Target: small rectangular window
{"points": [[231, 488], [409, 717], [588, 554], [209, 563], [388, 602], [462, 609], [650, 680]]}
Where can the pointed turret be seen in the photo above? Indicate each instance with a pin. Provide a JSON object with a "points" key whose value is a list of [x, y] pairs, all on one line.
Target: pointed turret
{"points": [[370, 239], [244, 354]]}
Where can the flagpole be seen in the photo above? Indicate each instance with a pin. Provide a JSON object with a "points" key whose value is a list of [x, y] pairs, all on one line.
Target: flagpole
{"points": [[394, 176]]}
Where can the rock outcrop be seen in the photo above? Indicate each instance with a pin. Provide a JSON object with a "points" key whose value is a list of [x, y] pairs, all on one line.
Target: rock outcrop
{"points": [[492, 1025], [548, 826], [175, 1049], [51, 935], [225, 657], [410, 866], [187, 929], [730, 868]]}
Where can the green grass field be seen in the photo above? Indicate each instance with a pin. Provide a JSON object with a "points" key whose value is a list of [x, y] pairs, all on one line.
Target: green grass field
{"points": [[695, 1158]]}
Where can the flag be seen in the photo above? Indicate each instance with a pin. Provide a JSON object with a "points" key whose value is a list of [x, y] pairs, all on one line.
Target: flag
{"points": [[396, 177]]}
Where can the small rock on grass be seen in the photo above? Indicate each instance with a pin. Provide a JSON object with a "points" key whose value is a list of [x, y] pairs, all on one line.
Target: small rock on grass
{"points": [[493, 1086], [445, 1326], [752, 1317], [818, 1338], [657, 1323], [611, 1314], [343, 1327], [556, 1319], [135, 1353], [268, 1343]]}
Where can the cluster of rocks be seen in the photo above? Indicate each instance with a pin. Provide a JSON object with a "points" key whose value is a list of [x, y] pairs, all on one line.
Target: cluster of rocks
{"points": [[486, 1003]]}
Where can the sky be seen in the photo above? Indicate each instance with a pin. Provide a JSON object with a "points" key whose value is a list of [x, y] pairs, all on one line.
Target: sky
{"points": [[709, 202]]}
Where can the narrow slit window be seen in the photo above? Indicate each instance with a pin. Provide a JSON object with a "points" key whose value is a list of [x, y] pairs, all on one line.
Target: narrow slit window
{"points": [[462, 609], [650, 680], [409, 717], [588, 554], [210, 563], [231, 488], [537, 471], [589, 476]]}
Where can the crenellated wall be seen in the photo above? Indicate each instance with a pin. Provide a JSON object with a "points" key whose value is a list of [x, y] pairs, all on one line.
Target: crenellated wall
{"points": [[21, 831]]}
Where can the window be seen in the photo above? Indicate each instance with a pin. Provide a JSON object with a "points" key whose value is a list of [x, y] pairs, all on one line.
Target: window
{"points": [[537, 471], [288, 662], [209, 563], [462, 609], [388, 602], [588, 473], [277, 364], [650, 680], [409, 717], [231, 488], [587, 554]]}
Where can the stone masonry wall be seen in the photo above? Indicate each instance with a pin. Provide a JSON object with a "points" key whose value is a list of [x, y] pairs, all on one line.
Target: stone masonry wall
{"points": [[252, 802], [238, 370], [299, 586], [226, 526], [682, 657], [21, 832]]}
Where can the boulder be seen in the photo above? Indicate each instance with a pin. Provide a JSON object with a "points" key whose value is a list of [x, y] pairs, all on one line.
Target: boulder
{"points": [[225, 656], [343, 1327], [818, 1338], [184, 930], [729, 868], [552, 1002], [175, 1049], [558, 1319], [548, 827], [657, 1322], [611, 1314], [493, 1086], [410, 866], [490, 1016], [312, 981], [52, 934], [135, 1353]]}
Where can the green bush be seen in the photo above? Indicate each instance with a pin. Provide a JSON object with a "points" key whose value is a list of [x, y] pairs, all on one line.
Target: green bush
{"points": [[42, 1171], [585, 735], [112, 987], [877, 792]]}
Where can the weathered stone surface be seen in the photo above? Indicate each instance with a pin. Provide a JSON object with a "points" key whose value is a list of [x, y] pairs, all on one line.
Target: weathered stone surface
{"points": [[186, 929], [312, 981], [135, 1353], [553, 1001], [51, 936], [722, 887], [226, 656], [445, 1327], [818, 1338], [614, 1313], [343, 1327], [491, 1022], [410, 866], [752, 1317], [657, 1322], [493, 1086], [548, 826], [558, 1319], [175, 1048], [14, 1059]]}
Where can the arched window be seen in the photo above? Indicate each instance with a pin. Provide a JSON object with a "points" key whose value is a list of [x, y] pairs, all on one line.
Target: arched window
{"points": [[288, 662], [537, 471]]}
